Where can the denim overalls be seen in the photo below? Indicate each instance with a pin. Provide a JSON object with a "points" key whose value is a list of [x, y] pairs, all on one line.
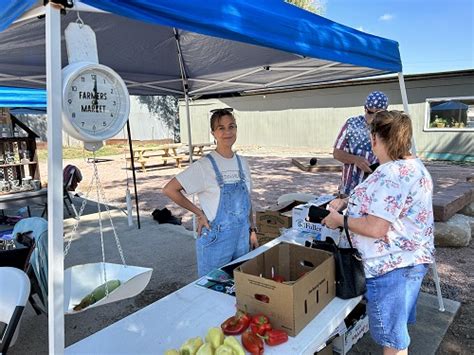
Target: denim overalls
{"points": [[228, 237]]}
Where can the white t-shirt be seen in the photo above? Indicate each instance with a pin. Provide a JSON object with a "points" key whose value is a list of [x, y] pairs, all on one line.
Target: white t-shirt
{"points": [[199, 178]]}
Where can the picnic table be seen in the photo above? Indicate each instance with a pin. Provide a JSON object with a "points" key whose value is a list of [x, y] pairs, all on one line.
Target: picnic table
{"points": [[192, 310], [198, 148], [158, 154]]}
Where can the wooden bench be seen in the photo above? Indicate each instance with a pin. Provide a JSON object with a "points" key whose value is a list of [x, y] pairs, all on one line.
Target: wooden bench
{"points": [[448, 201], [322, 164]]}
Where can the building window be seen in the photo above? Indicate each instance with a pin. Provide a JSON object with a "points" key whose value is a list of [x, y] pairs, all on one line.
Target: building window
{"points": [[450, 114]]}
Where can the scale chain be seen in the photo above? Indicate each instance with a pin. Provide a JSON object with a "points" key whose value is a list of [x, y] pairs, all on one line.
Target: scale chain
{"points": [[96, 174], [100, 194], [104, 199]]}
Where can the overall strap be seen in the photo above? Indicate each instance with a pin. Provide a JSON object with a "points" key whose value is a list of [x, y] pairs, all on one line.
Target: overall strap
{"points": [[220, 179], [241, 170]]}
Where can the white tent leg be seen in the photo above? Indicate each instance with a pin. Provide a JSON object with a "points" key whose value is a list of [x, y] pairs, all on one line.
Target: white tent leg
{"points": [[190, 143], [184, 78], [438, 288], [403, 92], [55, 183]]}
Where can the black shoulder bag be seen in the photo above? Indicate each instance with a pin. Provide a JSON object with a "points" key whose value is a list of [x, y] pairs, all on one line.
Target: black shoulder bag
{"points": [[350, 276]]}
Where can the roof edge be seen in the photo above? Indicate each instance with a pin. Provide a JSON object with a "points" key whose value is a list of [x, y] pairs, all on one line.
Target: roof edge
{"points": [[387, 78]]}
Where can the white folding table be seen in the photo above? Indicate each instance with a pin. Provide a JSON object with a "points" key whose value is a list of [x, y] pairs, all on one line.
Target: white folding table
{"points": [[191, 311]]}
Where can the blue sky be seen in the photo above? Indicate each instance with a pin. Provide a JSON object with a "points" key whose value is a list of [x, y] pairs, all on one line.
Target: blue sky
{"points": [[433, 35]]}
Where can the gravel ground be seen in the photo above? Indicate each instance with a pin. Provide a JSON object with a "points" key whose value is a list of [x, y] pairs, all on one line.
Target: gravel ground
{"points": [[274, 175]]}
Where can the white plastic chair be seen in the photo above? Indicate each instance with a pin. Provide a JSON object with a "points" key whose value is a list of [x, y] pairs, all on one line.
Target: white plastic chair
{"points": [[15, 286]]}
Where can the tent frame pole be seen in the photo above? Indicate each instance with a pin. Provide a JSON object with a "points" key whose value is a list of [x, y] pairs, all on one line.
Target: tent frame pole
{"points": [[184, 78], [132, 161], [403, 92], [55, 185], [230, 80]]}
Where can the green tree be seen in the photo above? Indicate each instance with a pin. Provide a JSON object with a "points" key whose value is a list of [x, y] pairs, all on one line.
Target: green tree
{"points": [[315, 6], [166, 107]]}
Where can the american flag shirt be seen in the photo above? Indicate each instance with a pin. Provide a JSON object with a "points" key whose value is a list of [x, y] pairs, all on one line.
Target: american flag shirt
{"points": [[354, 139]]}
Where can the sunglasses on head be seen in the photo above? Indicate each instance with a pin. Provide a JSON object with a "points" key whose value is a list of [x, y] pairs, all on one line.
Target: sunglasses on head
{"points": [[222, 110]]}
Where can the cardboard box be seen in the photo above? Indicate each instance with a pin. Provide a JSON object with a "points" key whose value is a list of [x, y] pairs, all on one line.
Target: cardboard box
{"points": [[355, 326], [319, 232], [273, 218], [290, 305], [327, 350], [264, 238]]}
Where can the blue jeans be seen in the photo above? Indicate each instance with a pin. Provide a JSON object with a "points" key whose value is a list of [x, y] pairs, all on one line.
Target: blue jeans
{"points": [[391, 305]]}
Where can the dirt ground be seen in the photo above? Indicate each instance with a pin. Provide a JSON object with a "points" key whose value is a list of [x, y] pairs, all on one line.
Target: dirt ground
{"points": [[274, 175]]}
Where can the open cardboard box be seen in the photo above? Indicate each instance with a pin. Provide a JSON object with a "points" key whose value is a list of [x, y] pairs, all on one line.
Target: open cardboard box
{"points": [[273, 218], [355, 325], [290, 306]]}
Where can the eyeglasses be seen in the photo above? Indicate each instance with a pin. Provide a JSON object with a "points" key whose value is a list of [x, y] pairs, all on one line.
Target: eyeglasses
{"points": [[222, 110], [371, 112]]}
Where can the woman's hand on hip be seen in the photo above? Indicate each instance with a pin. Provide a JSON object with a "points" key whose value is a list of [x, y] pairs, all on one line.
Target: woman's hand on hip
{"points": [[253, 240], [334, 219], [202, 222]]}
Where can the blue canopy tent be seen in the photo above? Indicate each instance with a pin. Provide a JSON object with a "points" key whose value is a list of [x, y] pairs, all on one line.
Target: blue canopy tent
{"points": [[215, 46], [182, 47], [21, 97]]}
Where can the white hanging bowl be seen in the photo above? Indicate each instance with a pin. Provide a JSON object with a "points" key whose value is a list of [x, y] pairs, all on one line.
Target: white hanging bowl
{"points": [[80, 280]]}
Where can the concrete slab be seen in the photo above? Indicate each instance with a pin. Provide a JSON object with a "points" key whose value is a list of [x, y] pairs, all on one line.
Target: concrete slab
{"points": [[428, 332]]}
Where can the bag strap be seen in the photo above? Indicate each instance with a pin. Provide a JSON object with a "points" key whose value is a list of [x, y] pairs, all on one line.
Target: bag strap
{"points": [[346, 230]]}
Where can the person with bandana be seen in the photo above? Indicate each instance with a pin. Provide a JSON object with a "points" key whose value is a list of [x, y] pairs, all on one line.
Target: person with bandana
{"points": [[353, 148]]}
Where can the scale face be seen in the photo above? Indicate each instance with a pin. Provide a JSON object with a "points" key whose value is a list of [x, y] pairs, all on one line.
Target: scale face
{"points": [[96, 102]]}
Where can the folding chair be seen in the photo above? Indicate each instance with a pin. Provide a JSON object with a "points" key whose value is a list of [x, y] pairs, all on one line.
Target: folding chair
{"points": [[66, 193], [37, 264], [68, 178], [15, 287]]}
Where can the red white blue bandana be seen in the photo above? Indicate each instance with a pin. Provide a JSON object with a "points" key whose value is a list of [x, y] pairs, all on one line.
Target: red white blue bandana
{"points": [[377, 99]]}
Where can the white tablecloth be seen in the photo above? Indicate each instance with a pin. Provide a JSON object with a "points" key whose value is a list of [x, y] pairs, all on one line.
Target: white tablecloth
{"points": [[190, 312]]}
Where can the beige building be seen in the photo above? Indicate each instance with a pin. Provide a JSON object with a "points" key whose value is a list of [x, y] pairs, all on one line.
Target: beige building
{"points": [[312, 116]]}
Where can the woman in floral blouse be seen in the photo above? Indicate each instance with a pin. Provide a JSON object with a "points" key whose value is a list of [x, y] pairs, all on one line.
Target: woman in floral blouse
{"points": [[390, 220]]}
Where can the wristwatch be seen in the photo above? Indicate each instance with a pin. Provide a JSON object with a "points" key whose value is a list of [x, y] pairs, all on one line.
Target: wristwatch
{"points": [[253, 229]]}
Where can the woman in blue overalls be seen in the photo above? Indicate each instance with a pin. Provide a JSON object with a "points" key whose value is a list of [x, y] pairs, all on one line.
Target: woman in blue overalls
{"points": [[222, 182]]}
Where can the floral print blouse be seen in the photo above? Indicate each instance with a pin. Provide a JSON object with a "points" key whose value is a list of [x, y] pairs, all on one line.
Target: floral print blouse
{"points": [[401, 193]]}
